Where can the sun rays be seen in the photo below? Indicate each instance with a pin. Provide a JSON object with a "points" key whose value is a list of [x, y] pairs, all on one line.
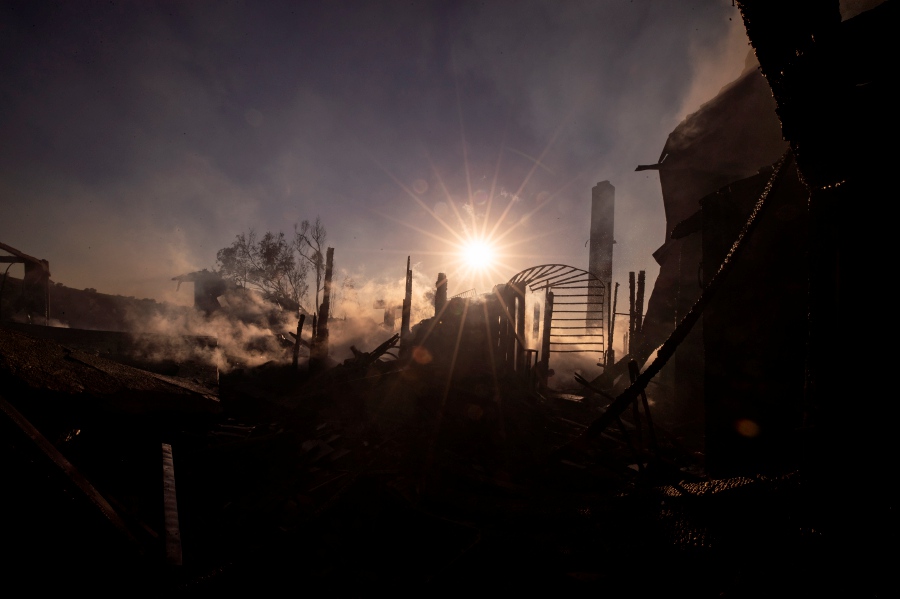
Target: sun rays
{"points": [[480, 237], [479, 231]]}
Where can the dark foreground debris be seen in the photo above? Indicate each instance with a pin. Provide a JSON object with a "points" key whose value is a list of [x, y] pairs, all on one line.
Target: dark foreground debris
{"points": [[379, 477]]}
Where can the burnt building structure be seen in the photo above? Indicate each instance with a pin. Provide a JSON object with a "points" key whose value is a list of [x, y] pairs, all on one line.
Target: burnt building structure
{"points": [[770, 168], [34, 298], [733, 137], [208, 287]]}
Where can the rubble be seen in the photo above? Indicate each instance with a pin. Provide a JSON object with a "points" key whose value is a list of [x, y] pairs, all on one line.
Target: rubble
{"points": [[377, 475]]}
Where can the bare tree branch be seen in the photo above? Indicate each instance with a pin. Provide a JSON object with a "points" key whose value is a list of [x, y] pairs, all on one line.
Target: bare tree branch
{"points": [[309, 241]]}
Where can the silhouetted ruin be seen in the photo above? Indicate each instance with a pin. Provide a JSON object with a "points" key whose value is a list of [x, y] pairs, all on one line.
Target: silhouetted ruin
{"points": [[33, 300], [502, 443], [208, 287]]}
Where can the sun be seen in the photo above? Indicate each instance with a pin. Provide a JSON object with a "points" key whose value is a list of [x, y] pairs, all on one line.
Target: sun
{"points": [[477, 254], [478, 242]]}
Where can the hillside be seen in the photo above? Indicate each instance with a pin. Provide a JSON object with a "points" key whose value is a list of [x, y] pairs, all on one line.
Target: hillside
{"points": [[88, 308]]}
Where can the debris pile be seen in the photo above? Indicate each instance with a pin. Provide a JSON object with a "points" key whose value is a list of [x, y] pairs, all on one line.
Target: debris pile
{"points": [[375, 475]]}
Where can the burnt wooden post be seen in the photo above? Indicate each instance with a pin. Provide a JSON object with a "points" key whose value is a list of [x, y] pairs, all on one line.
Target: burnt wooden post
{"points": [[631, 317], [536, 324], [326, 302], [297, 340], [545, 342], [503, 340], [405, 317], [610, 352], [610, 357], [519, 291], [507, 341], [499, 320], [639, 303], [509, 349], [495, 319]]}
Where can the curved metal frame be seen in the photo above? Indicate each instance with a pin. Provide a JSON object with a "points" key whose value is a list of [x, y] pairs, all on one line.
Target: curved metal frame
{"points": [[576, 291], [553, 275]]}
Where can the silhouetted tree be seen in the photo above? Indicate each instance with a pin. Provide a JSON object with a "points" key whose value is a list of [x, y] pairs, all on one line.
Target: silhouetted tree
{"points": [[267, 265]]}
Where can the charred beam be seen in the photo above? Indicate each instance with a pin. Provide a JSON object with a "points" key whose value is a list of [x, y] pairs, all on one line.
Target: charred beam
{"points": [[639, 303], [509, 305], [74, 475], [631, 315], [363, 359], [545, 342], [519, 290], [170, 508], [610, 352], [405, 333]]}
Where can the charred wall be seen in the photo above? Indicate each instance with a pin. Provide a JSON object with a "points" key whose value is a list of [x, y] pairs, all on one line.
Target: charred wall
{"points": [[729, 138], [754, 331]]}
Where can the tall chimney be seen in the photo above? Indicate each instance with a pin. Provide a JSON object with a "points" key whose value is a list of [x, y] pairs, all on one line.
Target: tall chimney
{"points": [[440, 294], [603, 201]]}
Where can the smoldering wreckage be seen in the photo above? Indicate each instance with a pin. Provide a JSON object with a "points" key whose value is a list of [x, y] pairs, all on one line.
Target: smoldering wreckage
{"points": [[720, 456]]}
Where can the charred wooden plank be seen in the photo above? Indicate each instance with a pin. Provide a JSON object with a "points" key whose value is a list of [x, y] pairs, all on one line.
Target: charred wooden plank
{"points": [[170, 508], [72, 473]]}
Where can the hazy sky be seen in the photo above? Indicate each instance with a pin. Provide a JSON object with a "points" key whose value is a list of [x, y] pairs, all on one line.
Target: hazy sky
{"points": [[140, 137]]}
